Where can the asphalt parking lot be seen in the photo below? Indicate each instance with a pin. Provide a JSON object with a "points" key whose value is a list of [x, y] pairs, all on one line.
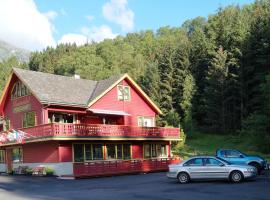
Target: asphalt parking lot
{"points": [[154, 186]]}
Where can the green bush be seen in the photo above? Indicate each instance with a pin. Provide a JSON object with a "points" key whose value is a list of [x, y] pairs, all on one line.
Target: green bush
{"points": [[178, 146], [49, 171], [29, 171]]}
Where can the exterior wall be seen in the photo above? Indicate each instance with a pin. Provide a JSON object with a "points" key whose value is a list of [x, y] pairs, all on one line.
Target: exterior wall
{"points": [[136, 107], [3, 167], [60, 169], [43, 152], [65, 152], [16, 119], [137, 150]]}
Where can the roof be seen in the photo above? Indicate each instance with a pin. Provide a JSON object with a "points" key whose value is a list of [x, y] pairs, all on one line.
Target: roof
{"points": [[51, 89], [62, 90]]}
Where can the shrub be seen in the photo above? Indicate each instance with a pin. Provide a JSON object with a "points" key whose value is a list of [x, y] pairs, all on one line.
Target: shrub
{"points": [[49, 171], [29, 171]]}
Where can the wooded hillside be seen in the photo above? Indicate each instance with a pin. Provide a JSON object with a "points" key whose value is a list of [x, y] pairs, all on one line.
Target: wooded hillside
{"points": [[209, 74]]}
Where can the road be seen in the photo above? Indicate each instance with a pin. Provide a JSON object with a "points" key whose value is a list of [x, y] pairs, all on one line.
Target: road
{"points": [[154, 186]]}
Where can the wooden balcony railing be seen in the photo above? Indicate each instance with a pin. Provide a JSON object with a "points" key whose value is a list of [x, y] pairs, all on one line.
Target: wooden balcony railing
{"points": [[97, 130]]}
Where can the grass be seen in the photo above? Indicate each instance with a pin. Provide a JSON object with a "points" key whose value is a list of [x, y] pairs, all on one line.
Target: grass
{"points": [[207, 144]]}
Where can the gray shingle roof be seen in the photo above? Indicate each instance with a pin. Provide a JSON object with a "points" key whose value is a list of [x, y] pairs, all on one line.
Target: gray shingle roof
{"points": [[63, 90]]}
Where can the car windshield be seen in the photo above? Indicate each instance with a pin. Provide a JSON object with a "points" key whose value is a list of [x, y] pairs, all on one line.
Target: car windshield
{"points": [[225, 161]]}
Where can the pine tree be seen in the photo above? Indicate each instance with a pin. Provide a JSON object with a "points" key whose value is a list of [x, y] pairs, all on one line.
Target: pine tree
{"points": [[215, 92]]}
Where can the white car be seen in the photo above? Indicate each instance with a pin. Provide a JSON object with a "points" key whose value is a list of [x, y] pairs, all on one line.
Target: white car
{"points": [[210, 167]]}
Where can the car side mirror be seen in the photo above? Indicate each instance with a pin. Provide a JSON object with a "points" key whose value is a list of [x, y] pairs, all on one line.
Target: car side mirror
{"points": [[241, 156]]}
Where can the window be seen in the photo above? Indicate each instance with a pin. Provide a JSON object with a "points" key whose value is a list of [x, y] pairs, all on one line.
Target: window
{"points": [[233, 154], [17, 155], [97, 152], [78, 150], [29, 119], [194, 162], [118, 151], [147, 151], [126, 151], [111, 151], [212, 162], [123, 93], [61, 118], [155, 150], [19, 90], [89, 152], [146, 121], [2, 156]]}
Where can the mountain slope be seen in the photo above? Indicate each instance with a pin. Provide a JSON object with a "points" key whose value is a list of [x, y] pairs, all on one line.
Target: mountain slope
{"points": [[8, 50]]}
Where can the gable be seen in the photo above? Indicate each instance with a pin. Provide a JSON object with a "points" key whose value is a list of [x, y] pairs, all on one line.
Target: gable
{"points": [[139, 102]]}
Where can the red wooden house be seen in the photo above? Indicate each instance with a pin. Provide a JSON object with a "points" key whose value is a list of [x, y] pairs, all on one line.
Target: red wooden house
{"points": [[81, 127]]}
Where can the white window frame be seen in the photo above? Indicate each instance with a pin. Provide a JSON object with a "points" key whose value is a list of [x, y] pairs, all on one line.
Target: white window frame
{"points": [[143, 118]]}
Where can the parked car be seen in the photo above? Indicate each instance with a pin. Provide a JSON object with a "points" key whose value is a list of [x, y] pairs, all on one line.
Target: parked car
{"points": [[237, 157], [210, 167]]}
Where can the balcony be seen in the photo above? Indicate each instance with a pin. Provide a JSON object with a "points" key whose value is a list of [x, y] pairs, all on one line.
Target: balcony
{"points": [[96, 131]]}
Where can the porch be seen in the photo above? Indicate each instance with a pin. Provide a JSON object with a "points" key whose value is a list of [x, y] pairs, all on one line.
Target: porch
{"points": [[105, 168]]}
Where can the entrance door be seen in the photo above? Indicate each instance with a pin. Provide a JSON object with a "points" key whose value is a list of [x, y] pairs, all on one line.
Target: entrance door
{"points": [[9, 160]]}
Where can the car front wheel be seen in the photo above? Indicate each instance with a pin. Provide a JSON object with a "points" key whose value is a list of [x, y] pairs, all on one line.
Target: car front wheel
{"points": [[236, 176], [183, 177]]}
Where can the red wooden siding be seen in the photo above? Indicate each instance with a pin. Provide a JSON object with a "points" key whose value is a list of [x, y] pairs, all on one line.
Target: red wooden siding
{"points": [[65, 152], [17, 118], [137, 150], [42, 152], [137, 106]]}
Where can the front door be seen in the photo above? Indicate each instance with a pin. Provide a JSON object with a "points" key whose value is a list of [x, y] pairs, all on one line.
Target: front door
{"points": [[195, 168], [215, 169], [9, 160]]}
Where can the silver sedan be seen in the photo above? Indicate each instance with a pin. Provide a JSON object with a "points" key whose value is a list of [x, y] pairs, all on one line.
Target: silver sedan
{"points": [[209, 167]]}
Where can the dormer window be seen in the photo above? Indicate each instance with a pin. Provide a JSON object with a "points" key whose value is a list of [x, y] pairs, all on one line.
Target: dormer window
{"points": [[123, 93], [19, 90]]}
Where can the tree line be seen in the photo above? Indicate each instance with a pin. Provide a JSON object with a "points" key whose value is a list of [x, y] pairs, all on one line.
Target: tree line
{"points": [[210, 75]]}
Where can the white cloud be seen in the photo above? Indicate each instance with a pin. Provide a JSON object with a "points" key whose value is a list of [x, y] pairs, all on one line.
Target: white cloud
{"points": [[89, 17], [88, 35], [98, 33], [117, 11], [51, 14], [71, 38], [24, 26]]}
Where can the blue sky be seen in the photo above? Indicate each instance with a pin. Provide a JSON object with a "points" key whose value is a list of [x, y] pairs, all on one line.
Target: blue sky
{"points": [[54, 21]]}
